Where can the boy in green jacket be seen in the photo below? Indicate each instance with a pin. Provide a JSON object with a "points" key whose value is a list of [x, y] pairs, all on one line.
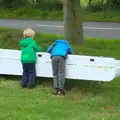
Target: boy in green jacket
{"points": [[29, 48]]}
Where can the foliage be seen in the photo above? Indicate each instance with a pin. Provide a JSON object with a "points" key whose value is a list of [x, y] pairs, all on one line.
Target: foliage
{"points": [[31, 13], [49, 5], [14, 3], [57, 4], [41, 4], [92, 10], [98, 5]]}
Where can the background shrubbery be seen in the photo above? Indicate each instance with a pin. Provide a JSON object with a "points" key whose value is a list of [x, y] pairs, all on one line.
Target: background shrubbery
{"points": [[57, 4], [92, 10]]}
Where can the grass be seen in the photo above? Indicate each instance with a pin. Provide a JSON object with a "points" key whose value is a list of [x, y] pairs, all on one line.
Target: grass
{"points": [[85, 100], [82, 102], [30, 13]]}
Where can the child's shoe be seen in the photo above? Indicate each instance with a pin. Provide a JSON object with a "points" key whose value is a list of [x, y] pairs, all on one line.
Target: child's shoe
{"points": [[55, 91], [61, 92]]}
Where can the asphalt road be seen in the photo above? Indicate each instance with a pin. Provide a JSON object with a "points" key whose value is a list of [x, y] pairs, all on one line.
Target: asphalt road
{"points": [[91, 29]]}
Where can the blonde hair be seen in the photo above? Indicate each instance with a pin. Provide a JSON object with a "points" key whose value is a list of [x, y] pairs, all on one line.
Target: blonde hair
{"points": [[28, 32]]}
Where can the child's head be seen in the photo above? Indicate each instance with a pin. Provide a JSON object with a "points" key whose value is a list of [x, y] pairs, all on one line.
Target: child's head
{"points": [[28, 32]]}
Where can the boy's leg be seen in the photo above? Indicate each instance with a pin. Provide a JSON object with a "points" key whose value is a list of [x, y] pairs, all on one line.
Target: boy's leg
{"points": [[61, 74], [24, 76], [55, 72], [32, 75]]}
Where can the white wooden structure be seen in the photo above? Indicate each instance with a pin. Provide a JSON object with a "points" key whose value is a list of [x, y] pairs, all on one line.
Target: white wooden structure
{"points": [[78, 67]]}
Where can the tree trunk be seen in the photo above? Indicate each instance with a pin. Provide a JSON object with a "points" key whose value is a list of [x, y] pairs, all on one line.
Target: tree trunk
{"points": [[73, 29]]}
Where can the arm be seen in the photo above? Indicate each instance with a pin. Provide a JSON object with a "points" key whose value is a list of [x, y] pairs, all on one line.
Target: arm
{"points": [[20, 43], [70, 50], [49, 48], [36, 47]]}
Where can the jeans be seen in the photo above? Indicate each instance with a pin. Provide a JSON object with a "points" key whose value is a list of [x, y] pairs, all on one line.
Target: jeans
{"points": [[29, 75]]}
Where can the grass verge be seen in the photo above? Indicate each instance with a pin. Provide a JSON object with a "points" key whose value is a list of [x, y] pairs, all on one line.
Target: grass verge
{"points": [[84, 99], [28, 13]]}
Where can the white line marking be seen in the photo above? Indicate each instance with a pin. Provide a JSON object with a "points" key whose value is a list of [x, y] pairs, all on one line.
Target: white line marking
{"points": [[93, 28], [49, 26]]}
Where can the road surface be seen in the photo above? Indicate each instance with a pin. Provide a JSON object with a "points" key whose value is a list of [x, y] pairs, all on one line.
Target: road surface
{"points": [[91, 29]]}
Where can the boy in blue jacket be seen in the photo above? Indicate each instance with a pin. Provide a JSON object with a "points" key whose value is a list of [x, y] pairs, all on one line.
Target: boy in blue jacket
{"points": [[59, 51]]}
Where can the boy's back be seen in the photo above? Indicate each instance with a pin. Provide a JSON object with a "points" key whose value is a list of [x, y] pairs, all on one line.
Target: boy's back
{"points": [[29, 48], [60, 48]]}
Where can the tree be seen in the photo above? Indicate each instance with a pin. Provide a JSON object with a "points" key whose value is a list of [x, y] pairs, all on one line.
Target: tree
{"points": [[73, 29]]}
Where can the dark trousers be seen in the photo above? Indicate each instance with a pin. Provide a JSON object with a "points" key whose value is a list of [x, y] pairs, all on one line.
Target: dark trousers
{"points": [[58, 66], [29, 74]]}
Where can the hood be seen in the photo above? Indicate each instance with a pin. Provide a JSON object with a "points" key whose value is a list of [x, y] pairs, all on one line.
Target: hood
{"points": [[25, 42], [62, 41]]}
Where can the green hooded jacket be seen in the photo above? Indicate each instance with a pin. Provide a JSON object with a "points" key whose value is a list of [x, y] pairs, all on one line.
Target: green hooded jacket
{"points": [[29, 48]]}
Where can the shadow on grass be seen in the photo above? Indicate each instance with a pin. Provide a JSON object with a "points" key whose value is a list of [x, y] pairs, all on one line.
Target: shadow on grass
{"points": [[80, 85], [84, 86]]}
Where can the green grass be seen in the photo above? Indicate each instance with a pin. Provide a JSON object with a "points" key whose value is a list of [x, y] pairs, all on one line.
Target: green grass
{"points": [[28, 13], [89, 102], [84, 100]]}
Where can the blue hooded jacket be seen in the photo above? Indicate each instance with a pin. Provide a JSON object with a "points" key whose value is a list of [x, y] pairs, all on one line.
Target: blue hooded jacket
{"points": [[60, 48]]}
